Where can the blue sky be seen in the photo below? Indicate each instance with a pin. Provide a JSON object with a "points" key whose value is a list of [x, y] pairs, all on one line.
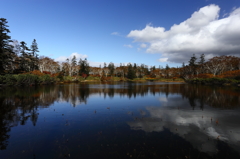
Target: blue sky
{"points": [[153, 32]]}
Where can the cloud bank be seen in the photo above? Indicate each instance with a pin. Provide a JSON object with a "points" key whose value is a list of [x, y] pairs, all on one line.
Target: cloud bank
{"points": [[193, 127], [114, 33], [129, 46], [203, 33], [78, 56], [91, 63]]}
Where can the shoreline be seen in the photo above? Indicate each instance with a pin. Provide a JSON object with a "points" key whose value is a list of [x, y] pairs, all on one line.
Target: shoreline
{"points": [[86, 81], [33, 80], [214, 81]]}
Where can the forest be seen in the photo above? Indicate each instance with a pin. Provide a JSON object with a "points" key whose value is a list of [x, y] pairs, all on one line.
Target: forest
{"points": [[20, 64]]}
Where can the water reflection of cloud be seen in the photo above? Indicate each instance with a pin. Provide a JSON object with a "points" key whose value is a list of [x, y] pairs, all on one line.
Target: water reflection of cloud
{"points": [[163, 99], [195, 126], [173, 101]]}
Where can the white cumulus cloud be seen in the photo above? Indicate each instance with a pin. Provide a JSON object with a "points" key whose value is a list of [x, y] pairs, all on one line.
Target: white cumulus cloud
{"points": [[203, 33], [143, 45], [78, 56], [163, 59], [129, 46], [114, 33]]}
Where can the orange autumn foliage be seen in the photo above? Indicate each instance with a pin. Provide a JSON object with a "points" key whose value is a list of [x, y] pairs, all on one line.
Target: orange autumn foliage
{"points": [[36, 95], [56, 74], [37, 72], [47, 73], [205, 75], [230, 74]]}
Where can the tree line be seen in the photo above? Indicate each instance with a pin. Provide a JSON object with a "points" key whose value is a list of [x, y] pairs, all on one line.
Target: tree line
{"points": [[218, 66], [16, 57]]}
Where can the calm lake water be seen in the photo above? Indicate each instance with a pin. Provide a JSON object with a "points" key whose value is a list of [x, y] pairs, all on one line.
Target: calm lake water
{"points": [[120, 120]]}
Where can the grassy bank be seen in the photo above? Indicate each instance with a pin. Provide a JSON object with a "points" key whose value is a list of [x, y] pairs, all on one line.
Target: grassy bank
{"points": [[41, 78], [26, 79], [214, 81], [38, 78], [145, 79]]}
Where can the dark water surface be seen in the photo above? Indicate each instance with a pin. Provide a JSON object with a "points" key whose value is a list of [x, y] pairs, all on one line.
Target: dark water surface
{"points": [[120, 120]]}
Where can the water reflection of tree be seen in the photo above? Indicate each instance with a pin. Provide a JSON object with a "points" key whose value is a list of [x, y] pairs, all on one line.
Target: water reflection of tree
{"points": [[84, 94], [73, 93], [18, 105], [197, 95], [218, 97], [4, 126]]}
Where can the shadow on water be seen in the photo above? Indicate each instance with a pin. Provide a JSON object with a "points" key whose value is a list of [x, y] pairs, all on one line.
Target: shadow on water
{"points": [[120, 120]]}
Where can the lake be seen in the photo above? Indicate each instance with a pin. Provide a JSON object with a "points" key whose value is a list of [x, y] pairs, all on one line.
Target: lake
{"points": [[120, 120]]}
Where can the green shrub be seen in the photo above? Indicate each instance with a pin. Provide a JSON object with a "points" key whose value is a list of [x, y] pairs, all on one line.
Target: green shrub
{"points": [[80, 78], [215, 80], [26, 79], [139, 79], [45, 79], [67, 78], [60, 77], [93, 78], [116, 78], [9, 80], [21, 79], [2, 79]]}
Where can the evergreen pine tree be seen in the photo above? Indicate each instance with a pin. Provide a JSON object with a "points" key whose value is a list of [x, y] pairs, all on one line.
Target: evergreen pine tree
{"points": [[201, 62], [131, 72], [167, 70], [73, 71], [146, 70], [193, 64], [24, 57], [6, 50], [111, 67], [202, 59], [183, 65], [74, 61], [34, 56], [192, 61], [167, 67], [84, 67], [135, 66]]}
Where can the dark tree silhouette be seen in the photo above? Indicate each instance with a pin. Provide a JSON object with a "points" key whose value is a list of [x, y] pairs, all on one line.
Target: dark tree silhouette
{"points": [[6, 49], [84, 67], [34, 55]]}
